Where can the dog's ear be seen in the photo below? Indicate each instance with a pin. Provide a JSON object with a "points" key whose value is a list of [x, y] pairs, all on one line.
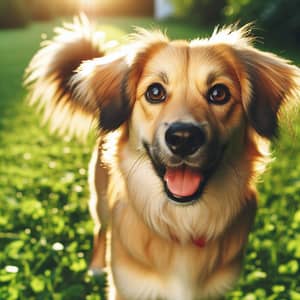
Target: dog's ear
{"points": [[74, 80], [268, 83], [109, 83], [102, 83]]}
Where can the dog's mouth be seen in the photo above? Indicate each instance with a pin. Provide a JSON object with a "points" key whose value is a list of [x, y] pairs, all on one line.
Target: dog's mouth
{"points": [[184, 184]]}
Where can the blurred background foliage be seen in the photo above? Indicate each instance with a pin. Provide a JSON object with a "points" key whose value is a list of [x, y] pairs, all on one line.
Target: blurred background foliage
{"points": [[13, 13], [280, 18]]}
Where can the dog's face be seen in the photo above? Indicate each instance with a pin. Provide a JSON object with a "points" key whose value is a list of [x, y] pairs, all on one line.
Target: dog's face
{"points": [[188, 110]]}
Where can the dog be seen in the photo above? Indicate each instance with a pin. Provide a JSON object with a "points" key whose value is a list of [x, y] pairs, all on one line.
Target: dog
{"points": [[184, 129]]}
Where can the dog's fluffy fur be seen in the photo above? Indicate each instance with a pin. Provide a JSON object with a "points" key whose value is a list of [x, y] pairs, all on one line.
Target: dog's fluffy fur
{"points": [[160, 249]]}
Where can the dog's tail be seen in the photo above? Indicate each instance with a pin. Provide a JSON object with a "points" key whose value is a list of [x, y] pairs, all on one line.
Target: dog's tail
{"points": [[50, 73]]}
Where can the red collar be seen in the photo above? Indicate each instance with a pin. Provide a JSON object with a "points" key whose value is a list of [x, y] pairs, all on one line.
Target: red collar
{"points": [[200, 242]]}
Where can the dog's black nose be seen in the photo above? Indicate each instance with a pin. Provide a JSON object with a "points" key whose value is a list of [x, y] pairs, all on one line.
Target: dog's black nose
{"points": [[184, 139]]}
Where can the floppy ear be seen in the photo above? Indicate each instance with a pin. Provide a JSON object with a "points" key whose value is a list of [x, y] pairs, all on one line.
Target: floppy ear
{"points": [[271, 81], [73, 80], [102, 83], [109, 82]]}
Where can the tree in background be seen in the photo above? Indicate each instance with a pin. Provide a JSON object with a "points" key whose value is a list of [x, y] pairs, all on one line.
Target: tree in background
{"points": [[207, 12], [202, 12], [280, 18]]}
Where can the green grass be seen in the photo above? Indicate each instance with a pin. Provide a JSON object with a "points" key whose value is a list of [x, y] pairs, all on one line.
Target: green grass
{"points": [[45, 228]]}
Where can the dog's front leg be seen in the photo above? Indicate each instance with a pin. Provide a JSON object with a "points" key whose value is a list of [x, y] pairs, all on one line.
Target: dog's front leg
{"points": [[98, 205]]}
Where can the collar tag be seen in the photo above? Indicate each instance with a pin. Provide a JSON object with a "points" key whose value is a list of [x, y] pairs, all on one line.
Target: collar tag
{"points": [[200, 242]]}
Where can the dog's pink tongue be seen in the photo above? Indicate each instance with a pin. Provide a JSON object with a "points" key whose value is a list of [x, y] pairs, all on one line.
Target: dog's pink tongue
{"points": [[183, 181]]}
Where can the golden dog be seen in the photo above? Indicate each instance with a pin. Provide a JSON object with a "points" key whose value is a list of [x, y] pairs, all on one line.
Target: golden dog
{"points": [[184, 129]]}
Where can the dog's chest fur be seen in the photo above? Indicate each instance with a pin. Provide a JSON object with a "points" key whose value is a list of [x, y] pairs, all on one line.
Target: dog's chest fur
{"points": [[156, 268]]}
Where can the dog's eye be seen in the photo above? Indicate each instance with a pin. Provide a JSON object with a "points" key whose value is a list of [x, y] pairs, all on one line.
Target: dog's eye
{"points": [[156, 93], [218, 94]]}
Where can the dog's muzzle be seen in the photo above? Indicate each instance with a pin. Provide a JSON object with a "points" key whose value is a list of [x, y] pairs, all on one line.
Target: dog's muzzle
{"points": [[182, 183], [184, 159]]}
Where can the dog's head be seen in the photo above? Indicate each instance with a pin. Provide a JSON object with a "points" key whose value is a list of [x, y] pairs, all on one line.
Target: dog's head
{"points": [[190, 112], [185, 103]]}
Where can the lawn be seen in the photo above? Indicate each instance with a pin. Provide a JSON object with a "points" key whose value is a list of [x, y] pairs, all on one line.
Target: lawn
{"points": [[45, 228]]}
